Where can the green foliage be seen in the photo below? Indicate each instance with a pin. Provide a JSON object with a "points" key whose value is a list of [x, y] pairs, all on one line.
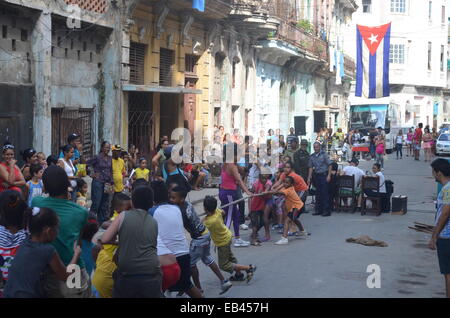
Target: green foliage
{"points": [[306, 26]]}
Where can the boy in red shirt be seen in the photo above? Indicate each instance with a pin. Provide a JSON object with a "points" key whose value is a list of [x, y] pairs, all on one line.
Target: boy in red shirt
{"points": [[257, 206]]}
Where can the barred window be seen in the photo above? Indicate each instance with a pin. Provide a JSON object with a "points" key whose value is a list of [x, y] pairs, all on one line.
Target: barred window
{"points": [[397, 54], [367, 6], [398, 6]]}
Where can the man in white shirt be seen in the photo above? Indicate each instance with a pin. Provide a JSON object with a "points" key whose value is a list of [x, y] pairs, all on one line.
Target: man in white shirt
{"points": [[353, 170]]}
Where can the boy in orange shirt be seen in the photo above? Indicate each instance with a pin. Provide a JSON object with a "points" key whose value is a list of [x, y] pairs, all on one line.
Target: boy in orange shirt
{"points": [[293, 205]]}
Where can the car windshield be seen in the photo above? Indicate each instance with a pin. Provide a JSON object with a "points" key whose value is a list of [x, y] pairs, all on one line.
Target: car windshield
{"points": [[444, 137]]}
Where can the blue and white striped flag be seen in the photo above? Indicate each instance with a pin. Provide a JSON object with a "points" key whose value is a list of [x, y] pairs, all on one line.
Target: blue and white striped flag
{"points": [[372, 61]]}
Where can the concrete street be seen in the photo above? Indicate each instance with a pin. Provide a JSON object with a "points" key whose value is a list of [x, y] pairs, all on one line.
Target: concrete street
{"points": [[324, 265]]}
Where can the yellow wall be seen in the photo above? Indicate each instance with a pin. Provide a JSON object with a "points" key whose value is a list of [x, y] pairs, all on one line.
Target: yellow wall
{"points": [[145, 18]]}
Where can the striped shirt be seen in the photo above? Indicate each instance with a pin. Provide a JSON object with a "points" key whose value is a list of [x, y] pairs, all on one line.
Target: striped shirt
{"points": [[9, 244]]}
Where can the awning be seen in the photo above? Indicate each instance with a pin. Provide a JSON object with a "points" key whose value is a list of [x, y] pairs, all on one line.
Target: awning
{"points": [[160, 89]]}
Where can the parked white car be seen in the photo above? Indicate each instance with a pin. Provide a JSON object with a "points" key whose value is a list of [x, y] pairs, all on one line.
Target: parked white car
{"points": [[443, 144]]}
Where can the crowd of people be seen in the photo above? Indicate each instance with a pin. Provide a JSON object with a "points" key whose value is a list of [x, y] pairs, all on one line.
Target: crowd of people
{"points": [[128, 234]]}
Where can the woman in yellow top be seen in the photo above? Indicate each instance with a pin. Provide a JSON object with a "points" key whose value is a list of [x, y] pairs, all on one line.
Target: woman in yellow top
{"points": [[118, 169], [105, 266], [142, 172]]}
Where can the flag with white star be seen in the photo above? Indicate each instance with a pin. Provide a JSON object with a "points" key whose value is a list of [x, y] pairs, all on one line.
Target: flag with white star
{"points": [[372, 61]]}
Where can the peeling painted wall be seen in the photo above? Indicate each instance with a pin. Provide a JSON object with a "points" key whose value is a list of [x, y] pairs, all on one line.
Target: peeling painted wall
{"points": [[15, 35], [73, 84]]}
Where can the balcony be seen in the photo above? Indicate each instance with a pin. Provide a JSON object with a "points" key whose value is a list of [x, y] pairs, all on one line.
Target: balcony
{"points": [[289, 31], [308, 43], [349, 66], [252, 17]]}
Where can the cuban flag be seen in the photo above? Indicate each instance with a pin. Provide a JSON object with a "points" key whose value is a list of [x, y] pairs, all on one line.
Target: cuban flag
{"points": [[372, 61]]}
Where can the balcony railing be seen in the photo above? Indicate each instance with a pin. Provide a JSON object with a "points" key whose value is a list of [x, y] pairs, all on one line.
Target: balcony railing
{"points": [[253, 5], [297, 37], [349, 65], [287, 13]]}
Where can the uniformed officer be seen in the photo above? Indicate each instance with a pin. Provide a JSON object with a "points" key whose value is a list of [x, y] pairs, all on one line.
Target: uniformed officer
{"points": [[320, 174], [301, 160]]}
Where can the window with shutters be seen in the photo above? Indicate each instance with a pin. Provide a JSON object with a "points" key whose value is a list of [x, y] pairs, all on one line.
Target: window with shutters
{"points": [[191, 63], [218, 70], [430, 10], [66, 121], [443, 15], [429, 56], [367, 6], [166, 62], [137, 64]]}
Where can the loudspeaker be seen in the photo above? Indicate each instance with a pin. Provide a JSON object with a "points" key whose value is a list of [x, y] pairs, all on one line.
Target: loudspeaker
{"points": [[300, 125]]}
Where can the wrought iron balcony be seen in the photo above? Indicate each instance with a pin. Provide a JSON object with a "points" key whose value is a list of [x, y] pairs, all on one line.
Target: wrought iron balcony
{"points": [[311, 44], [349, 66]]}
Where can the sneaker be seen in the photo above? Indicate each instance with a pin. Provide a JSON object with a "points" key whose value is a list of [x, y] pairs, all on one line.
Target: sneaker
{"points": [[277, 227], [241, 243], [282, 241], [244, 227], [293, 233], [237, 278], [250, 272], [302, 233], [226, 285], [168, 294]]}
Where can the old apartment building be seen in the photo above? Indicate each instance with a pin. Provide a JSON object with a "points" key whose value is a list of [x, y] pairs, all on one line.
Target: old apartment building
{"points": [[130, 72]]}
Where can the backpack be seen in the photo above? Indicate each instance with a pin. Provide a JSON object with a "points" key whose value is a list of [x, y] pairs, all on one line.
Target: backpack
{"points": [[178, 178]]}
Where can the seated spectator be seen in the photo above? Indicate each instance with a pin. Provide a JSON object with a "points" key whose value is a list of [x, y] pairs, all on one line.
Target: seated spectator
{"points": [[353, 170], [376, 169]]}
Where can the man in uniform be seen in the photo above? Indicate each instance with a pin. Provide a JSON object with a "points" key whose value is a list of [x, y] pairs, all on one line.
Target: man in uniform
{"points": [[301, 160], [320, 174]]}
